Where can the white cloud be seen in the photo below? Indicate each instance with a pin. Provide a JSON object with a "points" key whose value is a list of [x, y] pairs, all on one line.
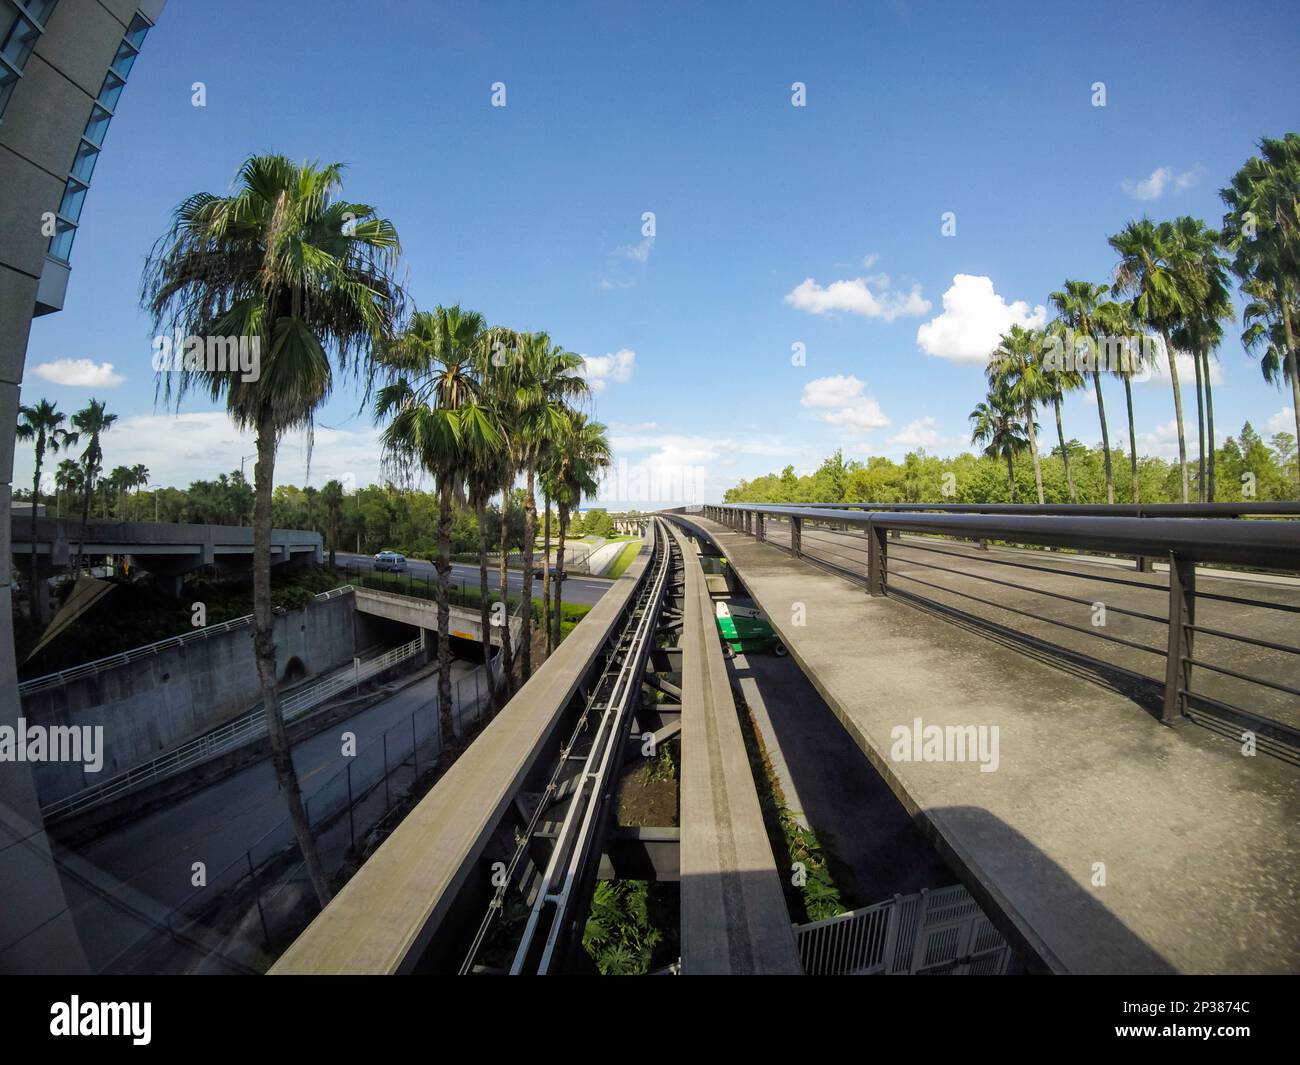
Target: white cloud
{"points": [[842, 403], [924, 432], [637, 252], [599, 370], [1161, 179], [1162, 442], [868, 261], [974, 317], [1282, 422], [857, 297], [1157, 372], [610, 283], [79, 373]]}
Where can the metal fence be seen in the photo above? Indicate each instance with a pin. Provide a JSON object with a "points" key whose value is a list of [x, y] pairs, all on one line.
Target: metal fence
{"points": [[1218, 647], [244, 729], [941, 932], [254, 906]]}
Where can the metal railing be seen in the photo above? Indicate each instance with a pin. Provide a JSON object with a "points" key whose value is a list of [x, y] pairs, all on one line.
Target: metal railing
{"points": [[1248, 509], [86, 669], [862, 545], [940, 931], [242, 730]]}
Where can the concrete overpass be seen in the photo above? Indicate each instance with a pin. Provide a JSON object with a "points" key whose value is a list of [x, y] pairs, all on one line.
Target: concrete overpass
{"points": [[164, 549], [423, 614]]}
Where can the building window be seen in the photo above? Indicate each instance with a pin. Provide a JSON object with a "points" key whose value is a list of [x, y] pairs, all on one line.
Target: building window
{"points": [[101, 114], [21, 24]]}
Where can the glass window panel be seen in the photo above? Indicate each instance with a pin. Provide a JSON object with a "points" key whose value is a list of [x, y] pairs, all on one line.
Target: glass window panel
{"points": [[20, 42], [61, 242], [7, 81], [84, 164], [123, 61], [40, 9], [113, 86], [74, 196], [98, 125], [8, 18], [137, 31]]}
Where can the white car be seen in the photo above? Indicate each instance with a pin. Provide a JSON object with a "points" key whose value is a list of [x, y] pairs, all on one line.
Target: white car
{"points": [[390, 560]]}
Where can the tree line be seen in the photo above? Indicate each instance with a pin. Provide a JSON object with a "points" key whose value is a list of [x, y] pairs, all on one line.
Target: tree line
{"points": [[1171, 283]]}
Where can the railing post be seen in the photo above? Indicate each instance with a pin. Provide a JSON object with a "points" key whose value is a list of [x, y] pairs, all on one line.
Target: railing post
{"points": [[257, 894], [759, 522], [1182, 615], [877, 559], [796, 537]]}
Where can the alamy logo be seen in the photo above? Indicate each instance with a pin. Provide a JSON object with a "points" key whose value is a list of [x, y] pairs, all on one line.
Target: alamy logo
{"points": [[946, 743], [214, 354], [102, 1018], [22, 742]]}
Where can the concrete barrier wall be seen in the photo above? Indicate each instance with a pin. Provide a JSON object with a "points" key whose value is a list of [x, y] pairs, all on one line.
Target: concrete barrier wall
{"points": [[155, 702]]}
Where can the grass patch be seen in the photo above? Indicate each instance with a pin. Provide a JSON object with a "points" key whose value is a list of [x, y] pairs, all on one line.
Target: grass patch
{"points": [[624, 559], [632, 927]]}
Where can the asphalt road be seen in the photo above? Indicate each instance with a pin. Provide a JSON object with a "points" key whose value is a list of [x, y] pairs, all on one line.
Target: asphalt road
{"points": [[583, 590], [148, 863]]}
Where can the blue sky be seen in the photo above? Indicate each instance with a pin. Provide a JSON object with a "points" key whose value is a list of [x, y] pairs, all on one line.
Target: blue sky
{"points": [[775, 225]]}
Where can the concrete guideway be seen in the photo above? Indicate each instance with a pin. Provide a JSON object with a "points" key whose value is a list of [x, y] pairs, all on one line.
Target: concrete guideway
{"points": [[733, 913], [385, 918], [1196, 843]]}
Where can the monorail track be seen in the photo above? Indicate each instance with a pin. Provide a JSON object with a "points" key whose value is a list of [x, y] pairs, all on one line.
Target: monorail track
{"points": [[580, 794]]}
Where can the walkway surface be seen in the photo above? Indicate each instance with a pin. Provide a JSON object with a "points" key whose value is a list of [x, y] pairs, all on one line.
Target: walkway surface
{"points": [[1103, 841]]}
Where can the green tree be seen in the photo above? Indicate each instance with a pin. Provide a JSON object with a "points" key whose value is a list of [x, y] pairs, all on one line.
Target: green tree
{"points": [[438, 423], [994, 424], [307, 277], [1016, 369], [44, 425], [90, 423]]}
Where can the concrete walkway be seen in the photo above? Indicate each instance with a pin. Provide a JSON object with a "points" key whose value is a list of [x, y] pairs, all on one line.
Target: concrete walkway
{"points": [[1103, 842]]}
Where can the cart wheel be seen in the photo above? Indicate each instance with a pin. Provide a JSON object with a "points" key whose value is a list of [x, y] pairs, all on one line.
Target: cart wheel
{"points": [[780, 650]]}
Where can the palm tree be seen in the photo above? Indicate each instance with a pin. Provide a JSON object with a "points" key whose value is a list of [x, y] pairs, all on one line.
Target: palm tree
{"points": [[994, 424], [1016, 369], [332, 496], [1149, 269], [1205, 284], [139, 478], [91, 423], [1076, 304], [533, 395], [483, 479], [308, 278], [1262, 228], [438, 425], [67, 479], [1059, 382], [1115, 320], [43, 424], [584, 452]]}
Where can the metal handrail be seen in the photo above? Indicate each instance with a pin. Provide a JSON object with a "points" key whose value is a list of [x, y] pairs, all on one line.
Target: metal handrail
{"points": [[1098, 510], [1182, 541], [244, 729], [1275, 544], [86, 669]]}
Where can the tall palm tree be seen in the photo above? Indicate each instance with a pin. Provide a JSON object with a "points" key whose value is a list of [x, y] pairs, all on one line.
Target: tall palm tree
{"points": [[1076, 304], [438, 424], [995, 424], [67, 479], [309, 277], [1059, 382], [482, 482], [91, 423], [1205, 283], [1262, 229], [139, 478], [1115, 319], [1150, 271], [534, 393], [332, 496], [43, 424], [584, 452], [1015, 367]]}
